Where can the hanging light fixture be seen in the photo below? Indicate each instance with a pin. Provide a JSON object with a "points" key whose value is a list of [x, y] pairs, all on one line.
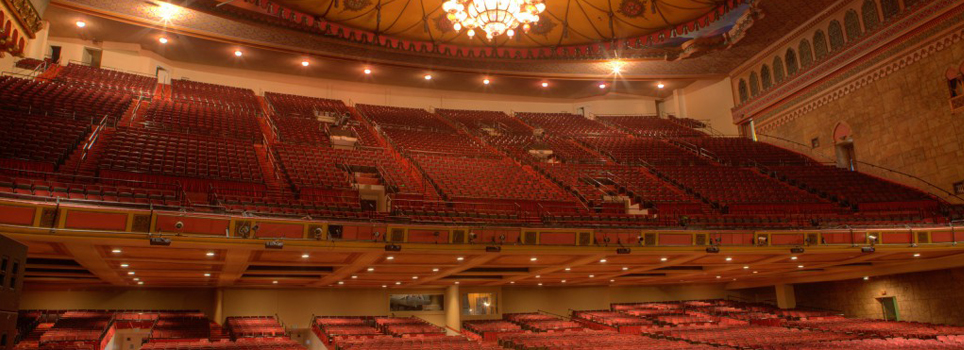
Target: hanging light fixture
{"points": [[494, 17]]}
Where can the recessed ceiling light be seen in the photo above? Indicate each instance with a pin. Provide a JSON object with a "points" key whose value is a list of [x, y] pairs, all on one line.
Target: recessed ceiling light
{"points": [[718, 277], [916, 255], [460, 258], [368, 71], [370, 269], [384, 286], [414, 277], [210, 254], [274, 282], [141, 282], [397, 283], [124, 265], [207, 275], [568, 268], [435, 270], [663, 259], [625, 268], [602, 260], [545, 84], [116, 251], [602, 86], [456, 282], [305, 256], [756, 272], [793, 258], [428, 77], [485, 81], [238, 53], [592, 276], [81, 24], [540, 284], [729, 258], [660, 85], [304, 63], [799, 266], [611, 281], [341, 282], [130, 273], [866, 278], [354, 277], [390, 258], [136, 279], [538, 276], [746, 267], [513, 282], [533, 259], [163, 40], [166, 11]]}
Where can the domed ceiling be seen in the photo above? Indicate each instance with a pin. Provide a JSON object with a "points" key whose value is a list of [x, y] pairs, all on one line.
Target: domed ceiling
{"points": [[564, 22]]}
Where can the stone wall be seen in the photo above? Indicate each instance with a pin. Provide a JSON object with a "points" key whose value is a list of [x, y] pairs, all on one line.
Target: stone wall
{"points": [[933, 296], [902, 121]]}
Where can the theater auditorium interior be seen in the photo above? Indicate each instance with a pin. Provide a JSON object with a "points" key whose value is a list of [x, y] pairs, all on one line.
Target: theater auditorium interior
{"points": [[481, 174]]}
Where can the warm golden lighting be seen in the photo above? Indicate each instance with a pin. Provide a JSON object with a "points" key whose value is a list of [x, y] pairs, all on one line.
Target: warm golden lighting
{"points": [[163, 40], [660, 85], [166, 11], [237, 53], [545, 84], [485, 81], [81, 24], [368, 71], [304, 63], [494, 17], [616, 66]]}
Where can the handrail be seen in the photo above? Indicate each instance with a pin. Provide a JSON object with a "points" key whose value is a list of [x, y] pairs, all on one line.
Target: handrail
{"points": [[44, 175], [136, 108], [874, 166], [92, 139]]}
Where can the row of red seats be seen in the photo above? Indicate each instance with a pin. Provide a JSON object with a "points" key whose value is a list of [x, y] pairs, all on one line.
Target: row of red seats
{"points": [[651, 126], [328, 168], [166, 196], [952, 342], [247, 344], [180, 327], [593, 340], [228, 96], [76, 102], [403, 117], [635, 151], [519, 146], [45, 140], [304, 107], [740, 188], [203, 119], [414, 343], [867, 192], [877, 328], [448, 142], [139, 151], [254, 327], [480, 122], [98, 78], [483, 178], [756, 337], [567, 124], [740, 151], [301, 131]]}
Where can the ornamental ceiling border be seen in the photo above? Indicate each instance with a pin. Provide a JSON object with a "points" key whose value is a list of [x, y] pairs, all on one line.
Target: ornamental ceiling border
{"points": [[873, 70], [872, 49], [205, 25], [26, 15], [793, 36], [598, 50]]}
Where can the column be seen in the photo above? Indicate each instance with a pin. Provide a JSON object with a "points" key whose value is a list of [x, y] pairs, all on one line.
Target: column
{"points": [[786, 299], [219, 306], [453, 313]]}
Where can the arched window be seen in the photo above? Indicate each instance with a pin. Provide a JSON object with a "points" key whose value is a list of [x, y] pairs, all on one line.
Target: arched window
{"points": [[743, 93], [836, 35], [852, 24], [765, 77], [778, 73], [870, 14], [754, 84], [819, 45], [791, 59], [806, 54], [890, 8]]}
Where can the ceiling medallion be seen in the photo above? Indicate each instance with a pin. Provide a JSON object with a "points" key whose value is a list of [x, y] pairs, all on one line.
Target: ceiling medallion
{"points": [[356, 5], [494, 17], [633, 8]]}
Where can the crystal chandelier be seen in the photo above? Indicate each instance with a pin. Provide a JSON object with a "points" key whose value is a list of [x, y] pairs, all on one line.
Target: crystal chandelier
{"points": [[494, 17]]}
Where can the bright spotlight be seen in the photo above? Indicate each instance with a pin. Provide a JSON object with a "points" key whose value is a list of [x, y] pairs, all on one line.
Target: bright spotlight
{"points": [[163, 40], [238, 53], [81, 24], [166, 11]]}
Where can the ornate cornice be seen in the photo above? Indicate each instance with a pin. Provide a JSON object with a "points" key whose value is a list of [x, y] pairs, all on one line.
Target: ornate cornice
{"points": [[944, 32], [853, 56], [26, 16]]}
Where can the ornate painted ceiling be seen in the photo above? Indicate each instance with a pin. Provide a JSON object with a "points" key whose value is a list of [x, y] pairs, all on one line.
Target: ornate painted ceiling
{"points": [[565, 22]]}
